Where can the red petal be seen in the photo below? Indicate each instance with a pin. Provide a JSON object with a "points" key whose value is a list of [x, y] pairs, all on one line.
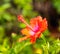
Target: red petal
{"points": [[43, 25], [33, 39], [34, 21]]}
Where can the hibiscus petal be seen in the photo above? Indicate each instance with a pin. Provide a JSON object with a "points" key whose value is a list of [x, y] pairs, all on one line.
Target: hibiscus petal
{"points": [[33, 39], [34, 22], [43, 25], [23, 38], [25, 31]]}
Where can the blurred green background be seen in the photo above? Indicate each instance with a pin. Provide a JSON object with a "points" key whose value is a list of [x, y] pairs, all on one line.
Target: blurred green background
{"points": [[10, 28]]}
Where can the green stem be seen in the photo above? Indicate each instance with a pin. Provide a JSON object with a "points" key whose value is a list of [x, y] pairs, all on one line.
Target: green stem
{"points": [[44, 39], [26, 44]]}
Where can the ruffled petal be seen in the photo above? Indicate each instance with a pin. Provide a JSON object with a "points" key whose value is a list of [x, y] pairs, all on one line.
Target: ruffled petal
{"points": [[34, 22], [43, 25]]}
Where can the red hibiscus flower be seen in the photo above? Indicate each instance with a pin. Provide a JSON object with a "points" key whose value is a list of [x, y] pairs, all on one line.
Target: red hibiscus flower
{"points": [[34, 30]]}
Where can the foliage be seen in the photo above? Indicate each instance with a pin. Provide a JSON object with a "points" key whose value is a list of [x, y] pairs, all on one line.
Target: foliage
{"points": [[56, 4], [10, 30]]}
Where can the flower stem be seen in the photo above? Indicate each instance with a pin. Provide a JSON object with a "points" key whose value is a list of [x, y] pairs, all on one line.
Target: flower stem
{"points": [[26, 44], [44, 39]]}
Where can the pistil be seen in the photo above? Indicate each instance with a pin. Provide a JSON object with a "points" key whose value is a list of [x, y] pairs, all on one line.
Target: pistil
{"points": [[20, 18]]}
